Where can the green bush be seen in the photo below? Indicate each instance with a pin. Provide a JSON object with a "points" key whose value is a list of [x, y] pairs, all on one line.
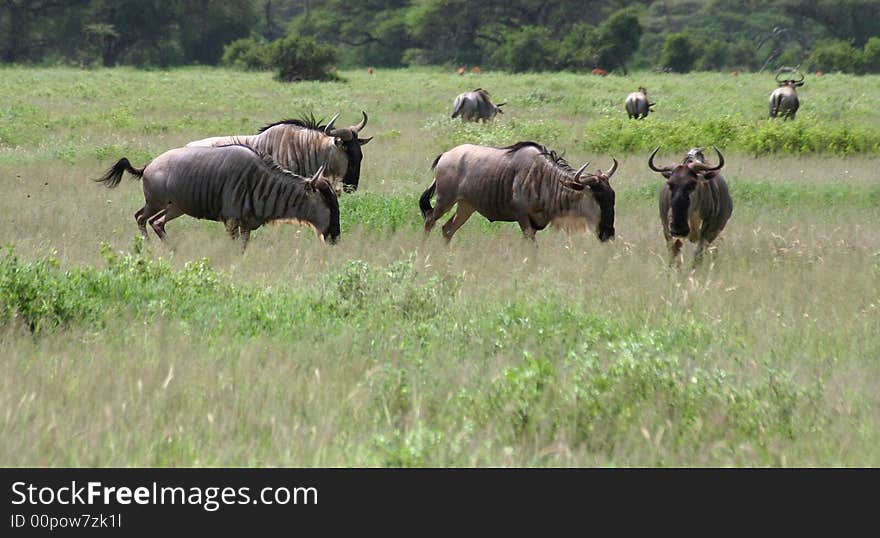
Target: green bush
{"points": [[835, 55], [616, 39], [730, 132], [575, 50], [679, 53], [302, 58], [871, 56], [715, 56], [247, 53], [526, 49]]}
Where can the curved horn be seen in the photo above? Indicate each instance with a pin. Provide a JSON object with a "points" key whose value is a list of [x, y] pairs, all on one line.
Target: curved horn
{"points": [[329, 128], [613, 169], [802, 76], [777, 75], [700, 167], [651, 162], [357, 128], [320, 172], [580, 171]]}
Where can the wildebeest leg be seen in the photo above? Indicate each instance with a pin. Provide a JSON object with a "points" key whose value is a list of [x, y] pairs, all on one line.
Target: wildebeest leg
{"points": [[245, 237], [232, 228], [525, 224], [158, 223], [675, 255], [702, 244], [434, 215], [462, 213], [141, 218], [153, 218]]}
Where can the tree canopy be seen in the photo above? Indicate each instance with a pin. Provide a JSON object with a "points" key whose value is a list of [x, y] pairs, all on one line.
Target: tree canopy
{"points": [[517, 35]]}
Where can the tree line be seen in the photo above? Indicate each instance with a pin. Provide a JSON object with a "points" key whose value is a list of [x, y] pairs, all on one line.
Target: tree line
{"points": [[514, 35]]}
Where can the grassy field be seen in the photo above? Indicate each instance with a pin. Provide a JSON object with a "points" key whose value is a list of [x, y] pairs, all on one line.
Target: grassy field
{"points": [[391, 350]]}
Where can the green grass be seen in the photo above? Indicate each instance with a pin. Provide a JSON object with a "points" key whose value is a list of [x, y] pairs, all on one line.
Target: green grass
{"points": [[555, 371], [390, 349]]}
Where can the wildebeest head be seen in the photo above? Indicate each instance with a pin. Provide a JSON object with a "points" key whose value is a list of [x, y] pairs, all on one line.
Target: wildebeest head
{"points": [[683, 181], [321, 187], [599, 185], [790, 82], [348, 140]]}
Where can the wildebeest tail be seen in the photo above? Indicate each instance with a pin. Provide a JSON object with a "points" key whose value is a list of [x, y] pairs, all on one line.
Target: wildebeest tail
{"points": [[113, 176], [425, 199], [456, 107], [437, 160], [329, 196], [775, 102]]}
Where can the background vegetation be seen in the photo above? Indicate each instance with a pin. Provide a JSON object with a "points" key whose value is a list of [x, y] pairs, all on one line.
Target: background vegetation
{"points": [[515, 35], [391, 350]]}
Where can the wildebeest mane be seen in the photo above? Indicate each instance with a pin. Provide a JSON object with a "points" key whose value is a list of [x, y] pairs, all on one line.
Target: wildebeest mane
{"points": [[306, 121], [524, 144], [551, 155], [268, 160]]}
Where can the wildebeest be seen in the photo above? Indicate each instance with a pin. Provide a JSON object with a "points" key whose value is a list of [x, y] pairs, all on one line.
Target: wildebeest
{"points": [[637, 104], [232, 184], [302, 145], [694, 203], [694, 154], [784, 99], [475, 106], [523, 182]]}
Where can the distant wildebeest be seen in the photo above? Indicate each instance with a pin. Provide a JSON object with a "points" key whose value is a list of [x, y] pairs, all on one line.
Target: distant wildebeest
{"points": [[475, 106], [784, 99], [230, 184], [303, 145], [694, 154], [637, 104], [695, 203], [524, 183]]}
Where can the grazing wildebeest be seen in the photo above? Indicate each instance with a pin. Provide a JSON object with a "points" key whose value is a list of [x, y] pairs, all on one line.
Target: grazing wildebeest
{"points": [[475, 106], [637, 104], [784, 99], [694, 203], [524, 182], [231, 184], [303, 145]]}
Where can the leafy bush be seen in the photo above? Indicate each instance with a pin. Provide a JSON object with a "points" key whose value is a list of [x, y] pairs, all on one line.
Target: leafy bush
{"points": [[247, 53], [526, 49], [871, 56], [302, 58], [835, 55], [575, 50], [616, 39], [715, 56], [679, 53], [731, 132]]}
